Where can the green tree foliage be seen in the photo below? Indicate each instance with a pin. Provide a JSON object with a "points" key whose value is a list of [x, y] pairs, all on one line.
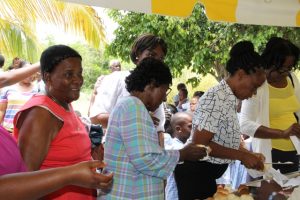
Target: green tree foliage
{"points": [[194, 42], [94, 64]]}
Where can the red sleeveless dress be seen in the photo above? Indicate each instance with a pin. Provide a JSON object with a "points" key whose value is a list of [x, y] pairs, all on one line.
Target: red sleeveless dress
{"points": [[71, 145]]}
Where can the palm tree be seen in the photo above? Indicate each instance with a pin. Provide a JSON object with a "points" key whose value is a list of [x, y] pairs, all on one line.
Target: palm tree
{"points": [[18, 19]]}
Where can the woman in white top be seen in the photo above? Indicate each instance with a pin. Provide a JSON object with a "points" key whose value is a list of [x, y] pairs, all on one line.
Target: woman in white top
{"points": [[269, 115], [112, 87]]}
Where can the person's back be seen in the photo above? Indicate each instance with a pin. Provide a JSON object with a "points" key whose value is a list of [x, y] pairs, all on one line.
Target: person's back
{"points": [[114, 65], [112, 87]]}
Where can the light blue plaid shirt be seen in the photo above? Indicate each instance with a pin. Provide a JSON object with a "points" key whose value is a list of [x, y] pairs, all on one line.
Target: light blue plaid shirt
{"points": [[171, 187], [133, 154]]}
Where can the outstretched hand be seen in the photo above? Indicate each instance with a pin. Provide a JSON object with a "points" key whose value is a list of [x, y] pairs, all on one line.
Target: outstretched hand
{"points": [[253, 161], [193, 152]]}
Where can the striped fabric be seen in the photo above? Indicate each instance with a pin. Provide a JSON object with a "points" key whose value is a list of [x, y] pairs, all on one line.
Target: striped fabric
{"points": [[262, 12], [14, 99], [171, 187], [133, 154]]}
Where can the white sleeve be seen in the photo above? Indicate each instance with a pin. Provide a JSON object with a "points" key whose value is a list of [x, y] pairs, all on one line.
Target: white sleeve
{"points": [[248, 116], [108, 92], [160, 114], [297, 92]]}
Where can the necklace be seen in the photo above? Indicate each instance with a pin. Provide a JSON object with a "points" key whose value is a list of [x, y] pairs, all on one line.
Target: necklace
{"points": [[64, 105]]}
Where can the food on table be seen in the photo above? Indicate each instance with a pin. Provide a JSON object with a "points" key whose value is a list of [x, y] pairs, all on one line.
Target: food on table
{"points": [[222, 193]]}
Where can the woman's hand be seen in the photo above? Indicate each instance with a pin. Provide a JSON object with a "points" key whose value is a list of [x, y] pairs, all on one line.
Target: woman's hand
{"points": [[192, 152], [260, 156], [253, 161], [84, 175], [154, 119], [294, 129]]}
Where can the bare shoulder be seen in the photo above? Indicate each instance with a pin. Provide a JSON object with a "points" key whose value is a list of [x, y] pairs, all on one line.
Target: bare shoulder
{"points": [[38, 115]]}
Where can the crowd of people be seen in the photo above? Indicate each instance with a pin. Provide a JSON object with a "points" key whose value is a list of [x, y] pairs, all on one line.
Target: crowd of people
{"points": [[153, 149]]}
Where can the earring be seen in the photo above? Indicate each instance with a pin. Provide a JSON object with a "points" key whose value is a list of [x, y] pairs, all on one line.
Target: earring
{"points": [[136, 58], [49, 88]]}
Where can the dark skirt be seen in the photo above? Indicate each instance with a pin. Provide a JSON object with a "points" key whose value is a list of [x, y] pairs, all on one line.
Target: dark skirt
{"points": [[285, 156], [197, 180]]}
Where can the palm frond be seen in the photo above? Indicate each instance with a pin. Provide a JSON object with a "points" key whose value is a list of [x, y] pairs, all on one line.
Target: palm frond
{"points": [[18, 20], [17, 41]]}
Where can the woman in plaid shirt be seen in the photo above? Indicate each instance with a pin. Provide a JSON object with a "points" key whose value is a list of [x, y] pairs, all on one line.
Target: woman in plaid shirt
{"points": [[132, 150]]}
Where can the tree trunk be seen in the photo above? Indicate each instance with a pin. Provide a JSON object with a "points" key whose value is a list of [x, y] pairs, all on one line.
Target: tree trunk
{"points": [[219, 71]]}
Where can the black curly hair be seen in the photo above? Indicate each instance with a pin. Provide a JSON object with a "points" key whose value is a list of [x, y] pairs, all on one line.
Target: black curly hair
{"points": [[146, 41], [198, 94], [276, 51], [148, 71], [2, 60], [243, 56], [53, 55]]}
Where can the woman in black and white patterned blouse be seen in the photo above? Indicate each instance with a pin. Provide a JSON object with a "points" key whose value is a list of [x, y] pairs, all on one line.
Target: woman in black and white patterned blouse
{"points": [[216, 125]]}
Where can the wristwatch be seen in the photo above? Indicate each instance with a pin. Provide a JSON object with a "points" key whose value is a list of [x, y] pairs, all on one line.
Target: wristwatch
{"points": [[276, 196]]}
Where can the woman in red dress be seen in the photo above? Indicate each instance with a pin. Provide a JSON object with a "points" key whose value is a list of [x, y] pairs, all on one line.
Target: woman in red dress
{"points": [[49, 132]]}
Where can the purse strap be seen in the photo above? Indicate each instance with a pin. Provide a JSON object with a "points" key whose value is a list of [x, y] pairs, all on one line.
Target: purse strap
{"points": [[290, 76]]}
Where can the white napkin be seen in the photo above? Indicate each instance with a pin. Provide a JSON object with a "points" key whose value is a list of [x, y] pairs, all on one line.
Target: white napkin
{"points": [[266, 173], [254, 173], [271, 173], [291, 182], [277, 176], [296, 143]]}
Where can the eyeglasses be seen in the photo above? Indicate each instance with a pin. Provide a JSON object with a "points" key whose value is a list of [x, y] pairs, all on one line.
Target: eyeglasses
{"points": [[169, 90], [283, 70]]}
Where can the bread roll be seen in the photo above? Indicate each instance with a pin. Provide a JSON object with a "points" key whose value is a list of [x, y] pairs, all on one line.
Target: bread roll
{"points": [[232, 197], [223, 191], [243, 189], [246, 197], [220, 196], [267, 167]]}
